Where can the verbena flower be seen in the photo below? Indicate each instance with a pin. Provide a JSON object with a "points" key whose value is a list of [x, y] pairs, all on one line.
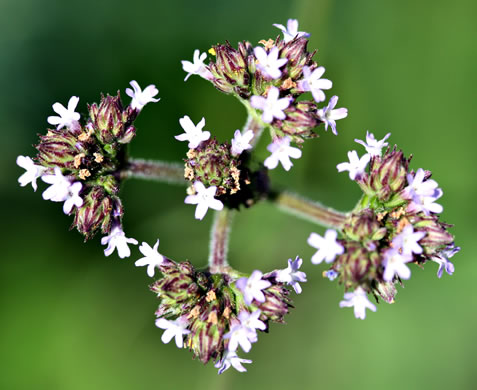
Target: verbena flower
{"points": [[313, 82], [204, 199], [193, 133], [373, 146], [244, 332], [443, 260], [73, 198], [281, 152], [139, 97], [271, 106], [67, 116], [291, 275], [241, 142], [32, 173], [269, 63], [197, 67], [328, 247], [152, 258], [356, 166], [229, 359], [330, 116], [359, 301], [406, 241], [173, 329], [422, 193], [252, 287], [118, 240], [394, 263], [291, 30]]}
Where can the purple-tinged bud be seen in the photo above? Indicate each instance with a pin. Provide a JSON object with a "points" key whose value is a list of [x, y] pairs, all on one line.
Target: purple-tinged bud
{"points": [[296, 53], [128, 135], [437, 237], [108, 119], [95, 214], [178, 284], [357, 266], [386, 290], [58, 148], [364, 226], [300, 121], [276, 303], [214, 165], [109, 183], [230, 67]]}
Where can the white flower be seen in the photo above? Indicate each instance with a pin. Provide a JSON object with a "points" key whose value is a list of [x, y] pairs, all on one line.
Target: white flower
{"points": [[328, 247], [176, 328], [244, 333], [426, 203], [241, 142], [373, 146], [193, 133], [269, 64], [204, 199], [313, 82], [330, 116], [394, 263], [118, 240], [281, 152], [197, 67], [406, 241], [359, 300], [67, 116], [291, 31], [231, 359], [32, 173], [152, 258], [291, 275], [422, 193], [252, 287], [59, 188], [356, 165], [73, 198], [271, 106], [141, 98]]}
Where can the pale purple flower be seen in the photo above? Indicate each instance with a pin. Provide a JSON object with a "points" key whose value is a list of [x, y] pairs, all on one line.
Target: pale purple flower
{"points": [[141, 98], [204, 199], [67, 116], [291, 30], [442, 258], [197, 67], [271, 106], [252, 287], [173, 329], [193, 133], [291, 275], [328, 247], [281, 152], [359, 300], [394, 263], [356, 165], [330, 274], [118, 240], [330, 116], [313, 82], [62, 190], [422, 193], [244, 332], [73, 198], [241, 142], [230, 358], [406, 241], [32, 173], [372, 145], [269, 64], [152, 258]]}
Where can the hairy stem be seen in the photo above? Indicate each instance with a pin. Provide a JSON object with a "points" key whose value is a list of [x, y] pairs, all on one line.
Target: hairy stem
{"points": [[307, 209], [219, 239], [169, 172], [253, 123]]}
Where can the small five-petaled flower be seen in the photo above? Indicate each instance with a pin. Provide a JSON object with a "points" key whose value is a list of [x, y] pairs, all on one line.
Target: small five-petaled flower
{"points": [[139, 97], [193, 133], [204, 199], [152, 258]]}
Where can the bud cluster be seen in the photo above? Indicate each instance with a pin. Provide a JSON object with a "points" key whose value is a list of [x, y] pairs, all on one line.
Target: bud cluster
{"points": [[217, 312]]}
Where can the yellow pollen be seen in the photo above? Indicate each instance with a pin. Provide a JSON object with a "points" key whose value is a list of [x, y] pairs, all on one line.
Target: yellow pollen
{"points": [[212, 318], [212, 51], [226, 312], [194, 313], [98, 157], [211, 296], [190, 190], [267, 44], [84, 173], [288, 83], [77, 160]]}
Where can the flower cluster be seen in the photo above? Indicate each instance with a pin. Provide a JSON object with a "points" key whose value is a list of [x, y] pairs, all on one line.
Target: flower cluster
{"points": [[82, 163], [395, 223], [215, 314]]}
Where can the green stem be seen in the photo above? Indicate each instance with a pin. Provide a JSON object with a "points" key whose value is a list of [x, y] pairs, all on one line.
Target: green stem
{"points": [[307, 209], [168, 172], [253, 123], [219, 238]]}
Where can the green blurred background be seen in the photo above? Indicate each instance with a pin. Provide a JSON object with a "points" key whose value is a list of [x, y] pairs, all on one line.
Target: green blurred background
{"points": [[73, 319]]}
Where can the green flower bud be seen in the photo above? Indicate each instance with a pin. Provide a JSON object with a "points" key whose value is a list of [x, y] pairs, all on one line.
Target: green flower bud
{"points": [[364, 226], [300, 121], [58, 148], [297, 55], [386, 290], [437, 237], [358, 265], [276, 303]]}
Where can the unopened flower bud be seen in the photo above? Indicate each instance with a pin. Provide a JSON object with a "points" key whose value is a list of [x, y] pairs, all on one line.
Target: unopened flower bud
{"points": [[58, 148], [300, 121], [364, 226]]}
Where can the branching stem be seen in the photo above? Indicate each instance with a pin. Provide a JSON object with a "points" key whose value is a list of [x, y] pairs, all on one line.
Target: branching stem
{"points": [[168, 172], [219, 238]]}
